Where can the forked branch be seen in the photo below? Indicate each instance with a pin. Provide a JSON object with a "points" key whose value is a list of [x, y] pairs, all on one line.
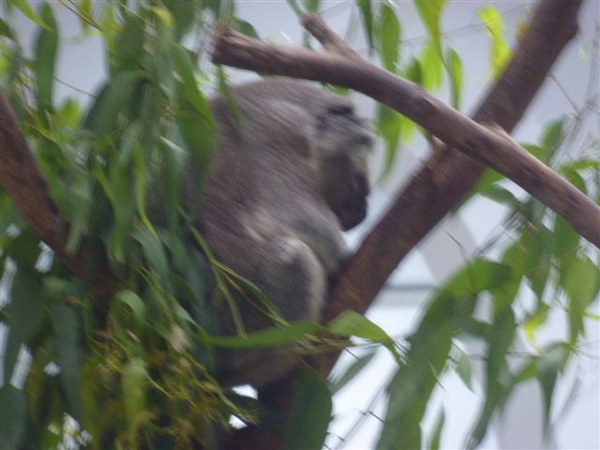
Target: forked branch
{"points": [[432, 194]]}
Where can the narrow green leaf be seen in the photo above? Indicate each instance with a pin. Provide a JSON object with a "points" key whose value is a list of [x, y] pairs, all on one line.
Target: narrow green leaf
{"points": [[389, 126], [140, 185], [351, 323], [500, 340], [500, 51], [67, 328], [134, 382], [79, 204], [24, 250], [131, 305], [222, 9], [245, 27], [566, 241], [503, 332], [268, 337], [311, 411], [69, 113], [155, 255], [312, 5], [480, 275], [5, 30], [501, 195], [13, 416], [581, 283], [591, 315], [389, 37], [185, 15], [23, 6], [535, 321], [455, 71], [164, 15], [193, 117], [350, 374], [128, 51], [430, 12], [45, 58], [173, 157], [24, 314], [548, 365], [413, 384], [436, 436], [463, 366], [552, 137], [293, 4], [537, 262], [366, 11], [43, 407], [114, 99], [575, 178], [432, 66], [85, 14]]}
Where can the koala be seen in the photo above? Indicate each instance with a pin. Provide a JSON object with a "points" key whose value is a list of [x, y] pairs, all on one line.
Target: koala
{"points": [[288, 177]]}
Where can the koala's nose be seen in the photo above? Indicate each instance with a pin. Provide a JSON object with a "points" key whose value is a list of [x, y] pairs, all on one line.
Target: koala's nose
{"points": [[363, 186], [359, 179]]}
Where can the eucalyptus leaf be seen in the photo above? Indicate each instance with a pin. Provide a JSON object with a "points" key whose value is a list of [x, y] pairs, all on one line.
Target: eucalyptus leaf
{"points": [[133, 305], [366, 11], [114, 99], [24, 314], [455, 71], [5, 30], [268, 337], [13, 415], [389, 37], [25, 8], [581, 282], [134, 384], [155, 255], [436, 436], [351, 323], [67, 330], [352, 371], [311, 411], [312, 5], [45, 58], [430, 12], [389, 125], [500, 51], [548, 365]]}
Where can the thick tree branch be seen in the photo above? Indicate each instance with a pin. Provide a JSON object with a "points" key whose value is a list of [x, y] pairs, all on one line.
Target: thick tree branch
{"points": [[24, 183], [432, 194]]}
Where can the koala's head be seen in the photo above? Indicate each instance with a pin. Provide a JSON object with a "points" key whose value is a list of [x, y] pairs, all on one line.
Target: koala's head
{"points": [[343, 141], [339, 141]]}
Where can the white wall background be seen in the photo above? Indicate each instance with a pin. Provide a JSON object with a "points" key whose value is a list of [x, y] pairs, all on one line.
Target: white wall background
{"points": [[81, 66]]}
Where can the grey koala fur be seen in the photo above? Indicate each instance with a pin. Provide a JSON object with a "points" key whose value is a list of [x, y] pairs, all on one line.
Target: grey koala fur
{"points": [[289, 175]]}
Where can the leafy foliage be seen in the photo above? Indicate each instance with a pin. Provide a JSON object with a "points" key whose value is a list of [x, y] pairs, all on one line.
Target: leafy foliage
{"points": [[145, 376]]}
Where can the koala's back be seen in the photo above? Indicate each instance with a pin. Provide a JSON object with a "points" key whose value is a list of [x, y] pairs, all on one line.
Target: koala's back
{"points": [[263, 180], [286, 178]]}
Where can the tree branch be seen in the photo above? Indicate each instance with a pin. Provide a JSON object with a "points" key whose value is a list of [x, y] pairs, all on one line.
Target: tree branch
{"points": [[432, 194]]}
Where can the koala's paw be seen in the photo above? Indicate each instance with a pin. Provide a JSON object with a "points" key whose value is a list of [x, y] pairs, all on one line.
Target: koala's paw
{"points": [[294, 279]]}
